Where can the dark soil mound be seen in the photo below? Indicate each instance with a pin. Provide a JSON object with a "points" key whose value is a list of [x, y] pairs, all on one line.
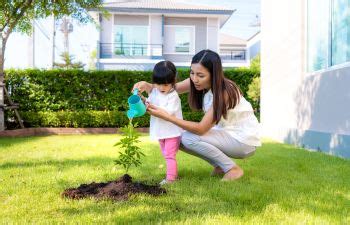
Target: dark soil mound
{"points": [[117, 190]]}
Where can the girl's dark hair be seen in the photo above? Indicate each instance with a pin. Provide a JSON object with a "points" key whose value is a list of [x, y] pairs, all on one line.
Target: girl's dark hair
{"points": [[164, 72], [219, 86]]}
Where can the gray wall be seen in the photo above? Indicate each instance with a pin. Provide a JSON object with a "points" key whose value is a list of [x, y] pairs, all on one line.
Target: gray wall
{"points": [[311, 110], [131, 20]]}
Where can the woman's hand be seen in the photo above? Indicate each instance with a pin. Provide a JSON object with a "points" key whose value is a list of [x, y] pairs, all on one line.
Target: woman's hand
{"points": [[142, 86], [158, 112]]}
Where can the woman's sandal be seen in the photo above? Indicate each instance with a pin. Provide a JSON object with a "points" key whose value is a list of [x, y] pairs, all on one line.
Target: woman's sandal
{"points": [[217, 172]]}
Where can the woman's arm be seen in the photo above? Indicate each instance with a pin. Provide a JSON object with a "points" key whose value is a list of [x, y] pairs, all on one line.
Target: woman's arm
{"points": [[183, 86], [198, 128]]}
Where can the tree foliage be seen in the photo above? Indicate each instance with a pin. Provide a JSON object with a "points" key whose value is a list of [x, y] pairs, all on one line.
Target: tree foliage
{"points": [[131, 153], [18, 15], [68, 62]]}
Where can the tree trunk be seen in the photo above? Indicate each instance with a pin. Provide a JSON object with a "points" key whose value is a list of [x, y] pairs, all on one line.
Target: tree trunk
{"points": [[2, 84]]}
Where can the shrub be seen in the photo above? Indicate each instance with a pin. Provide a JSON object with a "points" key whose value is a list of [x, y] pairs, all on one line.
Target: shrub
{"points": [[76, 98], [88, 119], [254, 94]]}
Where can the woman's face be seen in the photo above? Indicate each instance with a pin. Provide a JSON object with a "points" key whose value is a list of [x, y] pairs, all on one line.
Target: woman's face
{"points": [[200, 77]]}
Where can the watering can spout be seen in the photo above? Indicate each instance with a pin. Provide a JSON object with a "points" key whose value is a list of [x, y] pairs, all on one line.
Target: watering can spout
{"points": [[131, 113]]}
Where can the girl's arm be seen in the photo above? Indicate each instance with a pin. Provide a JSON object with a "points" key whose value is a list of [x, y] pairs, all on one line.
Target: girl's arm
{"points": [[198, 128], [181, 87], [143, 86]]}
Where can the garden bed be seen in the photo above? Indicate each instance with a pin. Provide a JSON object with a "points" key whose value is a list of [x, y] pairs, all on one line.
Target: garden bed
{"points": [[120, 189]]}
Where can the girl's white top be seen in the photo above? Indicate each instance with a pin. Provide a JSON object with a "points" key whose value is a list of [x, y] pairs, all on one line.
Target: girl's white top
{"points": [[240, 122], [159, 128]]}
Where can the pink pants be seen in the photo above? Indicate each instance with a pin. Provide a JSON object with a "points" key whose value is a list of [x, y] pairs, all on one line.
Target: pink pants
{"points": [[169, 147]]}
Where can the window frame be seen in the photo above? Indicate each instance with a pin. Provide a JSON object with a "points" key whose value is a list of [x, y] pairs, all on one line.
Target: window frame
{"points": [[114, 33], [329, 64], [191, 50]]}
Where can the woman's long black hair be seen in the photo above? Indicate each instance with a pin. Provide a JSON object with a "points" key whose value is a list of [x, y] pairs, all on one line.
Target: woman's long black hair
{"points": [[219, 86]]}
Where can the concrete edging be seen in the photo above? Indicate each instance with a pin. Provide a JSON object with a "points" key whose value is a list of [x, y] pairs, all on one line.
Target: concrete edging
{"points": [[61, 130]]}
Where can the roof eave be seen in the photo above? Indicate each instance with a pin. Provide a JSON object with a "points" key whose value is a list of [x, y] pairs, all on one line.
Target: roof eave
{"points": [[225, 18], [174, 11]]}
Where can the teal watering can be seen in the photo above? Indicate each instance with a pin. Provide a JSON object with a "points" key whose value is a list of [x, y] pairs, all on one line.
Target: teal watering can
{"points": [[136, 106]]}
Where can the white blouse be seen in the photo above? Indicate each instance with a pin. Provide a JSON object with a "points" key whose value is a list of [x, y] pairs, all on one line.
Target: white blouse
{"points": [[159, 128], [240, 122]]}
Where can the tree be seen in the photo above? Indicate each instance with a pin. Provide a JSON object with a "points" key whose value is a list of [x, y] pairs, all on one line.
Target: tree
{"points": [[255, 63], [18, 16], [68, 62], [131, 153]]}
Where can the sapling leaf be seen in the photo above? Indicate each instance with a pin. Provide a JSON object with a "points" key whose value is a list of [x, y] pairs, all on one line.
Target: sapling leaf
{"points": [[131, 153]]}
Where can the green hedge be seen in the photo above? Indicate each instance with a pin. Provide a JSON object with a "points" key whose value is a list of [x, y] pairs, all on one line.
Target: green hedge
{"points": [[76, 98], [89, 119]]}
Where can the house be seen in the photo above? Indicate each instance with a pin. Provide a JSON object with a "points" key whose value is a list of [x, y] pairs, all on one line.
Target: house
{"points": [[233, 48], [138, 34], [305, 74]]}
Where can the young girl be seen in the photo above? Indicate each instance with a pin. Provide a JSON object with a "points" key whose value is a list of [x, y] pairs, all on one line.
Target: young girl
{"points": [[168, 134]]}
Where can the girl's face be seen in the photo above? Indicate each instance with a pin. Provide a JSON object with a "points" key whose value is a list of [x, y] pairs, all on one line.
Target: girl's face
{"points": [[164, 88], [200, 77]]}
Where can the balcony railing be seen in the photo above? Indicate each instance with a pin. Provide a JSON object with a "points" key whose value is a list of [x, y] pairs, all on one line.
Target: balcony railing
{"points": [[233, 54], [155, 51], [130, 50]]}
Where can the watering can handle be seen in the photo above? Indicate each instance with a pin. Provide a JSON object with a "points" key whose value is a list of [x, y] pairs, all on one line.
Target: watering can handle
{"points": [[135, 91]]}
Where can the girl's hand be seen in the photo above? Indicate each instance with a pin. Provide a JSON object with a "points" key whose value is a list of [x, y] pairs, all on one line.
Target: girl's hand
{"points": [[142, 86], [143, 98], [158, 112]]}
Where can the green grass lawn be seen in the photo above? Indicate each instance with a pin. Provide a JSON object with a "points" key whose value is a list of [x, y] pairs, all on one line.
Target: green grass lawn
{"points": [[282, 184]]}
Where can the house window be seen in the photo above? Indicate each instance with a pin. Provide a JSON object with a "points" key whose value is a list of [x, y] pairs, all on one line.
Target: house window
{"points": [[328, 33], [179, 39], [341, 32], [318, 33], [131, 40]]}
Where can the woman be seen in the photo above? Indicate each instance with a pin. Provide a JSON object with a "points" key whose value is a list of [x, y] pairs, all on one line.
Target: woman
{"points": [[229, 128]]}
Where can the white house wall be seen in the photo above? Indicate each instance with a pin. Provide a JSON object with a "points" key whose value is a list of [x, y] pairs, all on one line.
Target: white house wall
{"points": [[20, 52], [106, 30], [200, 36], [156, 39], [212, 39], [310, 110]]}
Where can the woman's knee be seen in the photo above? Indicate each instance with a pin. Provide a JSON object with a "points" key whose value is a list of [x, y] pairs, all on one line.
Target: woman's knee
{"points": [[246, 154], [188, 139]]}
